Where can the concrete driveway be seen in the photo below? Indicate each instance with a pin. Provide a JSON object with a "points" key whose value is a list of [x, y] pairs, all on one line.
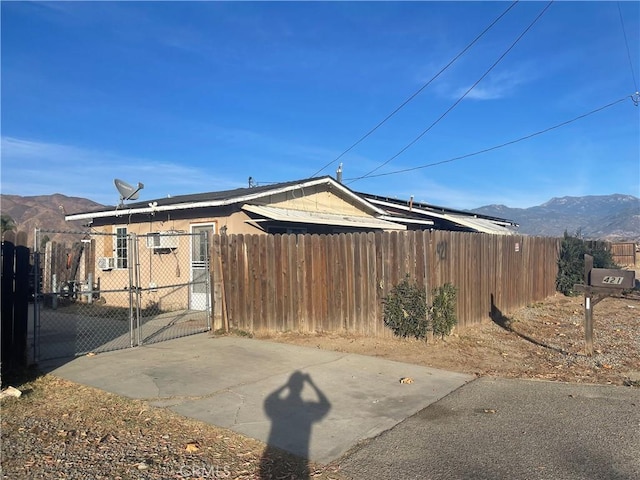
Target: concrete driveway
{"points": [[314, 403]]}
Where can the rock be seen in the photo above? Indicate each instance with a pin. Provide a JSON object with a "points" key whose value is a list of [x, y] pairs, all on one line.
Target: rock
{"points": [[10, 392]]}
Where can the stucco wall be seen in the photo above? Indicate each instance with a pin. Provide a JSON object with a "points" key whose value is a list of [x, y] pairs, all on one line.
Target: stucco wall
{"points": [[315, 199], [161, 269]]}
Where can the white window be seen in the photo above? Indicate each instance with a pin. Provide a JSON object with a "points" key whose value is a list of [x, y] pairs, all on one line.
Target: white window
{"points": [[121, 247]]}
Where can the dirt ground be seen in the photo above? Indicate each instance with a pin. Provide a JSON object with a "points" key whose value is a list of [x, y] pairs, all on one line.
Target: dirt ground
{"points": [[545, 340]]}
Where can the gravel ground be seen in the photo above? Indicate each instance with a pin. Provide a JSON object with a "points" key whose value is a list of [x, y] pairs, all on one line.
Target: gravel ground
{"points": [[62, 430]]}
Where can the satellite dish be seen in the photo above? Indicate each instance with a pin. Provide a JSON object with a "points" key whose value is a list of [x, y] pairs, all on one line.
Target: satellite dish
{"points": [[127, 192]]}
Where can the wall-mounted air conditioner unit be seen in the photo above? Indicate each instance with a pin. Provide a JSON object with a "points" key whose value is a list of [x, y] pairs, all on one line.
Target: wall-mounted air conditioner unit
{"points": [[162, 241], [106, 263]]}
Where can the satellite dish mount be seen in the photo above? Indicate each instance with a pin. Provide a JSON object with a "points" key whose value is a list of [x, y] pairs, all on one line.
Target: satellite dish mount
{"points": [[126, 191]]}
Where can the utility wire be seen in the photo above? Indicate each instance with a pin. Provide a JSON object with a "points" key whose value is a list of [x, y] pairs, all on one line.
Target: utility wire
{"points": [[502, 145], [624, 32], [419, 90], [406, 147]]}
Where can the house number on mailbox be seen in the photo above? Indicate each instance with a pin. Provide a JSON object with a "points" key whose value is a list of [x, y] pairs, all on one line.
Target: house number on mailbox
{"points": [[609, 280]]}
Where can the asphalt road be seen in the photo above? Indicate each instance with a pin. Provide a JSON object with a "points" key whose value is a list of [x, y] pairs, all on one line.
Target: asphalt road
{"points": [[510, 429]]}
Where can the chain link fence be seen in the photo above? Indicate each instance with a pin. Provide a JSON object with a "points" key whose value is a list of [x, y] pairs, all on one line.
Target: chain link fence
{"points": [[101, 292]]}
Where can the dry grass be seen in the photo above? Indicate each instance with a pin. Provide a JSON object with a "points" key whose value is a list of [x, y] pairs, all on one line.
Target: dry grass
{"points": [[543, 340], [59, 429]]}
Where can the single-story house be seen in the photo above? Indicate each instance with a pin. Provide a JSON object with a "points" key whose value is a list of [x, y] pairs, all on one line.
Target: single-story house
{"points": [[314, 205], [170, 250]]}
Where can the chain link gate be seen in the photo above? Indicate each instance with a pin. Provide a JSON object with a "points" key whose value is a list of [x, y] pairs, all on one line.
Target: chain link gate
{"points": [[101, 292]]}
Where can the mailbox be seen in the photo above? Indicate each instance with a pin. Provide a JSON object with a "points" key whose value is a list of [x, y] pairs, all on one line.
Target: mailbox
{"points": [[600, 283], [610, 278]]}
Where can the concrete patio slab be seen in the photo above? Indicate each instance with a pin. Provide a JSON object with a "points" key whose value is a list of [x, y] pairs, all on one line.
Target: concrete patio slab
{"points": [[314, 403]]}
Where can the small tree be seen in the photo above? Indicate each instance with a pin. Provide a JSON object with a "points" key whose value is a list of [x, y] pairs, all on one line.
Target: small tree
{"points": [[602, 256], [7, 223], [405, 310], [443, 310], [44, 241], [571, 261], [570, 264]]}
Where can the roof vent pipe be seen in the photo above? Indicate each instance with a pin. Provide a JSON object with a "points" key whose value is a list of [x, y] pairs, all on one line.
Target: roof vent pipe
{"points": [[411, 203], [339, 174]]}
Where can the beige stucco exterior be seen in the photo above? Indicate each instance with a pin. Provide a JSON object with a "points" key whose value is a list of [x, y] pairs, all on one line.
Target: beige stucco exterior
{"points": [[316, 199], [164, 274], [161, 269]]}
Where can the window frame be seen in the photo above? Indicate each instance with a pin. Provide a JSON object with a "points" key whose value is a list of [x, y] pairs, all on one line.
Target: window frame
{"points": [[121, 250]]}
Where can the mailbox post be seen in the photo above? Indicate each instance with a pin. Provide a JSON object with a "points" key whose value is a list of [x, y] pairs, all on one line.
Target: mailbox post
{"points": [[599, 283], [588, 307]]}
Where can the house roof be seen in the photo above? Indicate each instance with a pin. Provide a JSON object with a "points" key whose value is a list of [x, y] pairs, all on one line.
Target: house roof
{"points": [[403, 211], [222, 198], [321, 218], [391, 213]]}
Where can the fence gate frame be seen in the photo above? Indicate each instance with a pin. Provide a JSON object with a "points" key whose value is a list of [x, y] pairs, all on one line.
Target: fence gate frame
{"points": [[78, 305]]}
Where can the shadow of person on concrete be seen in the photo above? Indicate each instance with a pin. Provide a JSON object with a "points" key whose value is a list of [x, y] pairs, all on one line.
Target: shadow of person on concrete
{"points": [[505, 322], [292, 418]]}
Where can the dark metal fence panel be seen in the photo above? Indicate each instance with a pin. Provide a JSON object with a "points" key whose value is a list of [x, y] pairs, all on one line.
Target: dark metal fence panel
{"points": [[15, 300], [102, 292]]}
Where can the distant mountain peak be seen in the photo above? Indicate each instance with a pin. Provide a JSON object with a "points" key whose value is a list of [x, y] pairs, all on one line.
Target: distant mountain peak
{"points": [[612, 217], [616, 197]]}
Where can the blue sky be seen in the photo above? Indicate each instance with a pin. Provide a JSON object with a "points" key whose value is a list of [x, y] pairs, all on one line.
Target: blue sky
{"points": [[189, 97]]}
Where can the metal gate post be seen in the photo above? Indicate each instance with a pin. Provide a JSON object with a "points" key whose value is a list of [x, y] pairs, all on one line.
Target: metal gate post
{"points": [[130, 271], [134, 290], [209, 296], [138, 291]]}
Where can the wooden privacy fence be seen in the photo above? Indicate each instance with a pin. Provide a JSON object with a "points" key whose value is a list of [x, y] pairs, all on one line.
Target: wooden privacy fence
{"points": [[338, 282], [624, 253]]}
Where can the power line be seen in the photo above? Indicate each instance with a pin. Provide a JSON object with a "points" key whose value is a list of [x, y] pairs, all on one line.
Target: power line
{"points": [[419, 90], [424, 132], [502, 145], [624, 32]]}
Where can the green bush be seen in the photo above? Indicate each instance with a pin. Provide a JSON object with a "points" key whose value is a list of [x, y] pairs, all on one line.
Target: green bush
{"points": [[571, 261], [405, 310], [443, 310], [570, 264]]}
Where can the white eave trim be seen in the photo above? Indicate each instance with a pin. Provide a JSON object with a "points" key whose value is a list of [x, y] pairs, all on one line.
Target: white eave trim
{"points": [[320, 218], [390, 218], [121, 212]]}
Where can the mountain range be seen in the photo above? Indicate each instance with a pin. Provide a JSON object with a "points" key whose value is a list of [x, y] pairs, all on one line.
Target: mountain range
{"points": [[46, 212], [606, 217]]}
